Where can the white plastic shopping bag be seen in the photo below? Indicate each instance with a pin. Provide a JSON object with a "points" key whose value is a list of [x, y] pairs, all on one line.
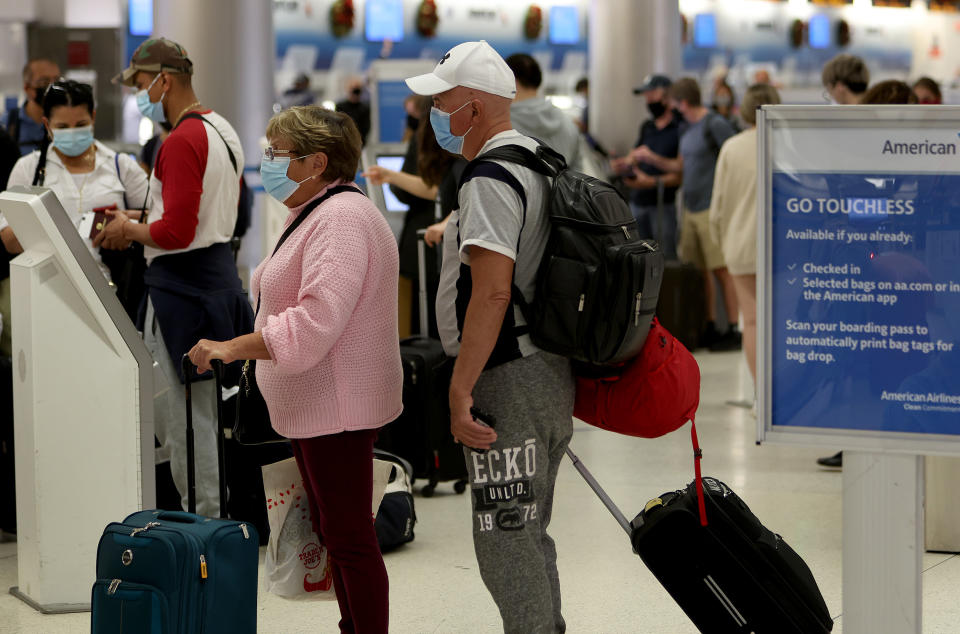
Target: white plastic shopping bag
{"points": [[297, 564]]}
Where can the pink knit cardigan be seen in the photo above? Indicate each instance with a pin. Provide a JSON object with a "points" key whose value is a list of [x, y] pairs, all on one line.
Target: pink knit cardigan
{"points": [[328, 316]]}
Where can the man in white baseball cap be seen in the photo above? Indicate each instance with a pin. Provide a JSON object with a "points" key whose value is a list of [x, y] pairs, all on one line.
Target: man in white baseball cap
{"points": [[492, 249]]}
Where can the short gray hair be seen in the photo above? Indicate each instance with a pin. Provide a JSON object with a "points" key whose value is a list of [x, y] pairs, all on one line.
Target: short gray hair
{"points": [[313, 129]]}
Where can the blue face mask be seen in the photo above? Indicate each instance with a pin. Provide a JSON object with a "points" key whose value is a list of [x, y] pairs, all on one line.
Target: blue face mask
{"points": [[153, 110], [73, 141], [274, 176], [440, 121]]}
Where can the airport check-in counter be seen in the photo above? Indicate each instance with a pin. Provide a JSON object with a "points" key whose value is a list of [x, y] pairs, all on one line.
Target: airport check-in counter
{"points": [[83, 405]]}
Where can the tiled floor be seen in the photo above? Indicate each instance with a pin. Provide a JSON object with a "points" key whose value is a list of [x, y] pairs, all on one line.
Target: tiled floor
{"points": [[435, 586]]}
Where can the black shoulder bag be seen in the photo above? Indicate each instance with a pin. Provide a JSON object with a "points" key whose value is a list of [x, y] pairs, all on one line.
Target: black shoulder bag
{"points": [[128, 267], [252, 424]]}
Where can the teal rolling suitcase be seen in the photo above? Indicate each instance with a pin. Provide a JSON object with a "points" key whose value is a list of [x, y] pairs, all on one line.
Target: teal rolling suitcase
{"points": [[167, 572]]}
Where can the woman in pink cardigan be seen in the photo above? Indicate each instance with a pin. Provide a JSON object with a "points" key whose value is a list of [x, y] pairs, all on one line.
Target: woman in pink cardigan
{"points": [[326, 331]]}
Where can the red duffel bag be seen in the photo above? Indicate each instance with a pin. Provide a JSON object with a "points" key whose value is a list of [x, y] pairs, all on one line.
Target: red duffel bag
{"points": [[654, 393]]}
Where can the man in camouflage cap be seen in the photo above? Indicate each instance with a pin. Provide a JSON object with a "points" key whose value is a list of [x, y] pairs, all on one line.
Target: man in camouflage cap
{"points": [[194, 289], [156, 55]]}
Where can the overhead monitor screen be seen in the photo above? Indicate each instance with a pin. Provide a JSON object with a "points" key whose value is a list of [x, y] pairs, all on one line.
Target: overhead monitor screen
{"points": [[564, 25], [384, 20], [141, 17], [395, 163], [705, 30], [820, 31]]}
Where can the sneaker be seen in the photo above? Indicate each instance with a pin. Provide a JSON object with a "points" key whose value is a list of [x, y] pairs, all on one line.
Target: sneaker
{"points": [[730, 340], [710, 336], [833, 462]]}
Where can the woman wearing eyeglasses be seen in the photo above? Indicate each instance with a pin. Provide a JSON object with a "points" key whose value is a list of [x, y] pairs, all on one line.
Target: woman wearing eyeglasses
{"points": [[83, 173], [326, 337]]}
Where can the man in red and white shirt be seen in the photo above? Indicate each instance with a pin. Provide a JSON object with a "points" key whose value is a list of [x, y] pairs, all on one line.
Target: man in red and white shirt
{"points": [[194, 289]]}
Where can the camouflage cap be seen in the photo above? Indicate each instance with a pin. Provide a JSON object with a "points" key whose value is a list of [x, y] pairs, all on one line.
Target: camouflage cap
{"points": [[156, 55]]}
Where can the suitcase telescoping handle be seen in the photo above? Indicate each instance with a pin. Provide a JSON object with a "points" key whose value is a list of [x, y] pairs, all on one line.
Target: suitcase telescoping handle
{"points": [[617, 513], [613, 508], [422, 275], [187, 367]]}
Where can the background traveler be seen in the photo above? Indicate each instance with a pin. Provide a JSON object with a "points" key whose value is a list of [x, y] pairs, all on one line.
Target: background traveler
{"points": [[699, 147], [354, 106], [724, 103], [927, 92], [83, 173], [733, 213], [661, 134], [534, 116], [194, 290], [846, 78], [889, 92], [410, 189], [25, 124]]}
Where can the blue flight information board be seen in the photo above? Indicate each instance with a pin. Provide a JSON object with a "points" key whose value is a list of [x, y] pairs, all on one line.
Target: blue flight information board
{"points": [[564, 25], [391, 113], [384, 20], [864, 275]]}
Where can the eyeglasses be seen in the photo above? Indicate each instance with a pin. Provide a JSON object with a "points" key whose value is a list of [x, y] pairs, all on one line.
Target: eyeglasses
{"points": [[270, 154]]}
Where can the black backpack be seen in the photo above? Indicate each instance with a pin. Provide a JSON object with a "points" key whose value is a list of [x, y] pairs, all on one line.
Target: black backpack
{"points": [[598, 282]]}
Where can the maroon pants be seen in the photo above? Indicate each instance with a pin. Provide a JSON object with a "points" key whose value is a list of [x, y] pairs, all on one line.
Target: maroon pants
{"points": [[337, 474]]}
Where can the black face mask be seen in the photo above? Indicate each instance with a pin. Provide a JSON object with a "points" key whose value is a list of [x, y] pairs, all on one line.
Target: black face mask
{"points": [[657, 109], [356, 92], [39, 92], [412, 122]]}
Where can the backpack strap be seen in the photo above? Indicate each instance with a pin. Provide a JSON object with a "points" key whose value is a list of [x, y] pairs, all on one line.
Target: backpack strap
{"points": [[40, 174], [116, 165], [546, 161], [333, 191], [708, 133], [197, 115]]}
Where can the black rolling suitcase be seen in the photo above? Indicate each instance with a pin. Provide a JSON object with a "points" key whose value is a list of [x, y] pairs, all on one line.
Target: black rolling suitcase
{"points": [[730, 576], [422, 435], [682, 307]]}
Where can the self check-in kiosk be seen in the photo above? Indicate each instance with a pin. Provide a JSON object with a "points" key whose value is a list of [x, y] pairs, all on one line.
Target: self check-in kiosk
{"points": [[83, 405]]}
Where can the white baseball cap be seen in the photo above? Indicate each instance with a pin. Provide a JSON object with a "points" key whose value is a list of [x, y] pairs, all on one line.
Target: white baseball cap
{"points": [[471, 64]]}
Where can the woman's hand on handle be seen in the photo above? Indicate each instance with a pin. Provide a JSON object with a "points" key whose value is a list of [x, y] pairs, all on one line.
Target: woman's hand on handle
{"points": [[206, 351]]}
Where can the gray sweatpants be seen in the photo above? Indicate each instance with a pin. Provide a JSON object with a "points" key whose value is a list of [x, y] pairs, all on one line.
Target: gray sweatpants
{"points": [[170, 425], [512, 484]]}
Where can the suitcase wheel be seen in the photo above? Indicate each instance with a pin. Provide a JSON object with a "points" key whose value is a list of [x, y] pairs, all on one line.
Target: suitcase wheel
{"points": [[427, 490], [460, 486]]}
